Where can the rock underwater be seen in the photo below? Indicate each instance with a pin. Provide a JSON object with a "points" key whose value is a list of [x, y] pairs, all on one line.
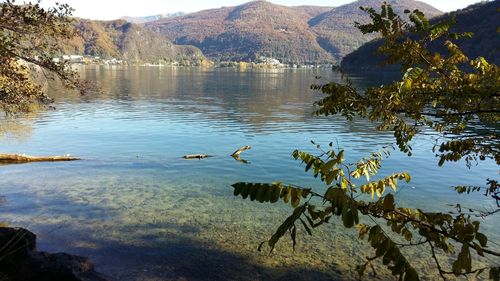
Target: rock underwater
{"points": [[20, 261]]}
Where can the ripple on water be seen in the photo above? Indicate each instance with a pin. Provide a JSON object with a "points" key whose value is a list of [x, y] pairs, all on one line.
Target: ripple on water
{"points": [[143, 213]]}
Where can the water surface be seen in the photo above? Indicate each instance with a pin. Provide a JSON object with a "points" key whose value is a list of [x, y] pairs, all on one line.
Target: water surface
{"points": [[140, 212]]}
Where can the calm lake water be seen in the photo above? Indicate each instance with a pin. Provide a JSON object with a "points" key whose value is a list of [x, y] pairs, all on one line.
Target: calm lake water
{"points": [[140, 212]]}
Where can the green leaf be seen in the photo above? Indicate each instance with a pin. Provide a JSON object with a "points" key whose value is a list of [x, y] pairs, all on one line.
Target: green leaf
{"points": [[286, 193], [340, 157], [237, 189], [285, 226], [306, 227], [310, 164], [328, 166], [407, 234], [494, 274], [275, 193], [264, 192], [463, 262], [245, 190], [411, 275], [254, 190], [482, 239], [388, 203], [295, 197], [347, 216]]}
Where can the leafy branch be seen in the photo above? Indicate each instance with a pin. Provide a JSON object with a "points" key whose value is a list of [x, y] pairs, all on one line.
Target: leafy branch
{"points": [[30, 36], [435, 229], [448, 93]]}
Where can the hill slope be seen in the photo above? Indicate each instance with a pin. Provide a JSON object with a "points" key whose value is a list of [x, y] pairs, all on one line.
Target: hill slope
{"points": [[151, 18], [247, 31], [336, 31], [302, 34], [128, 41], [482, 19]]}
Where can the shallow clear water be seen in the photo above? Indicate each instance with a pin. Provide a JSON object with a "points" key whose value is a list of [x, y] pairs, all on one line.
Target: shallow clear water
{"points": [[140, 212]]}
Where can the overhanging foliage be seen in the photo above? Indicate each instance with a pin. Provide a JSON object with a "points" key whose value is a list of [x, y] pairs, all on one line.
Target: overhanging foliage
{"points": [[445, 92]]}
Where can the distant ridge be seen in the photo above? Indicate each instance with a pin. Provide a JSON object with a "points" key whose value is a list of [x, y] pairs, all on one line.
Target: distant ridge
{"points": [[483, 19], [337, 33], [123, 40], [245, 32], [301, 34], [146, 19]]}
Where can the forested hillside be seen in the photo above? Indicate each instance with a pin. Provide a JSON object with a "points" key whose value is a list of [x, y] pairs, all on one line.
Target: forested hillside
{"points": [[247, 31], [151, 18], [302, 34], [128, 41], [336, 31], [482, 19]]}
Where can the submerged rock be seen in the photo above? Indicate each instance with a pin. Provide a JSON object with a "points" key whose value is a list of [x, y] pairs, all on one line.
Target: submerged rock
{"points": [[15, 245], [19, 261]]}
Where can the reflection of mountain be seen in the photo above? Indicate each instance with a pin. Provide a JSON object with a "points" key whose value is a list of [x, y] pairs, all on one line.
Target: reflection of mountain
{"points": [[482, 19], [261, 100], [16, 129]]}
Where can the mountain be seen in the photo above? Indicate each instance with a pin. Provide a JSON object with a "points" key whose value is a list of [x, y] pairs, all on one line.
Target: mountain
{"points": [[146, 19], [482, 19], [337, 33], [301, 34], [128, 41], [310, 12], [245, 32]]}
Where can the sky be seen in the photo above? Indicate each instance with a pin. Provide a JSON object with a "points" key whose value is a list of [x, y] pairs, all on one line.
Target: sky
{"points": [[113, 9]]}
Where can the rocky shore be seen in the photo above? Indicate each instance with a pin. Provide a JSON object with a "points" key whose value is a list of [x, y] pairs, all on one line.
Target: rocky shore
{"points": [[20, 261]]}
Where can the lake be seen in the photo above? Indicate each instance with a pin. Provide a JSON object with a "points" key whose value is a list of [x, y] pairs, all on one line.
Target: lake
{"points": [[141, 212]]}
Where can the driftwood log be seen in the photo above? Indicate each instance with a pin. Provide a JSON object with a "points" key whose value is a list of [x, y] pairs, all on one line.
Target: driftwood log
{"points": [[196, 156], [240, 150], [22, 158], [235, 155]]}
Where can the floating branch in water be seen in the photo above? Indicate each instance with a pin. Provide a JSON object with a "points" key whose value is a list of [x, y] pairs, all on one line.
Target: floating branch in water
{"points": [[235, 155], [240, 150], [196, 156], [23, 158]]}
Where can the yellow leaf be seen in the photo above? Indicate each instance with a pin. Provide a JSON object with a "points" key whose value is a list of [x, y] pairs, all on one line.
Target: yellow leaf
{"points": [[367, 175], [344, 183], [392, 183]]}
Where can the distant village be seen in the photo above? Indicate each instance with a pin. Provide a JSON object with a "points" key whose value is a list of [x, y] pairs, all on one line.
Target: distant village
{"points": [[260, 62], [79, 59]]}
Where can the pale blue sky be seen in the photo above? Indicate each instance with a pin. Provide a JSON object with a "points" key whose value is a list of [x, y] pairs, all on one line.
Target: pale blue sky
{"points": [[112, 9]]}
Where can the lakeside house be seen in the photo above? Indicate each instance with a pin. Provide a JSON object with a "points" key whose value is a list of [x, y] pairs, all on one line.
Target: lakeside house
{"points": [[79, 59]]}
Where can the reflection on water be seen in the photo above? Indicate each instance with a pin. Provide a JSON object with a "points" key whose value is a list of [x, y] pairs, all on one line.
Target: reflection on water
{"points": [[15, 128], [143, 213]]}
